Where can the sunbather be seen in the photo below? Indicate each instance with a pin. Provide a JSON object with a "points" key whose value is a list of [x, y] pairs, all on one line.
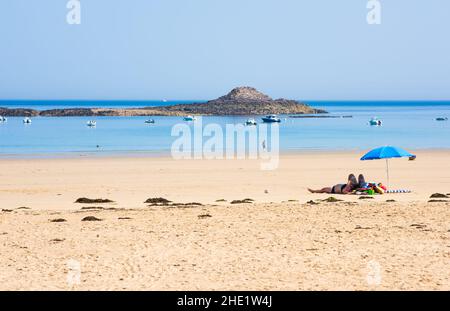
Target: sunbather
{"points": [[347, 188]]}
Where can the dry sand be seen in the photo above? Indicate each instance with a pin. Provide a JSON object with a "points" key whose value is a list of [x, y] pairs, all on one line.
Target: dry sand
{"points": [[366, 245]]}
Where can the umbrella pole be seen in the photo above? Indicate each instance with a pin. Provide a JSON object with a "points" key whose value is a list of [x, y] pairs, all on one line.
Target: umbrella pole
{"points": [[387, 173]]}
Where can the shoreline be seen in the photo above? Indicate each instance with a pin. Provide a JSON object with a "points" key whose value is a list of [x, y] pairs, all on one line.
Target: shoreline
{"points": [[166, 154]]}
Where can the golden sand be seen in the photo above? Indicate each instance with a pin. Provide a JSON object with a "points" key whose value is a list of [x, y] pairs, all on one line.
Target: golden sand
{"points": [[355, 244]]}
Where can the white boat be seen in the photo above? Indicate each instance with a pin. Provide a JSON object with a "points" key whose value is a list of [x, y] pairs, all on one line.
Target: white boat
{"points": [[92, 123], [3, 119], [27, 120], [375, 122], [150, 121], [271, 119], [190, 118], [250, 122]]}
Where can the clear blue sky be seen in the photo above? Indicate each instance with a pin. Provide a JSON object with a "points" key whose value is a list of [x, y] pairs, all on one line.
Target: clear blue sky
{"points": [[200, 49]]}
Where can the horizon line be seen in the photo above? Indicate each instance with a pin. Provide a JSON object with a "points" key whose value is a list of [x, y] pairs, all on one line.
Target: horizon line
{"points": [[200, 100]]}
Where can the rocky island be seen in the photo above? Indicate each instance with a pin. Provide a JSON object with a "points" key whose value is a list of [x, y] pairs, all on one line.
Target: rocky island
{"points": [[240, 101]]}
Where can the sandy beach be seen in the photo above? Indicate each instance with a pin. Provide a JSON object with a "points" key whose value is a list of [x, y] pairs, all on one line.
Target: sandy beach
{"points": [[102, 104], [279, 242]]}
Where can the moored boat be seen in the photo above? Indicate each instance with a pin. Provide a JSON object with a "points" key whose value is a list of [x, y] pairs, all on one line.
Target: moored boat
{"points": [[271, 119], [250, 122], [375, 122], [189, 118]]}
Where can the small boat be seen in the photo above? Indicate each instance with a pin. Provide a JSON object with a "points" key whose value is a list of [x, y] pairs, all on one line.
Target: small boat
{"points": [[250, 122], [442, 119], [27, 121], [150, 121], [271, 119], [190, 118], [92, 123], [375, 122], [3, 119]]}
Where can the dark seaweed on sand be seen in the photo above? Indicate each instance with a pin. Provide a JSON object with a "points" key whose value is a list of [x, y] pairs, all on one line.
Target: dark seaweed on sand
{"points": [[161, 201], [204, 216], [366, 198], [439, 196], [332, 200], [58, 220], [245, 201], [92, 201], [312, 202], [90, 218]]}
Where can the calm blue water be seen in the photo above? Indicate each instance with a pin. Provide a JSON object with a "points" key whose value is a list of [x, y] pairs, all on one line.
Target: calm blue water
{"points": [[409, 125]]}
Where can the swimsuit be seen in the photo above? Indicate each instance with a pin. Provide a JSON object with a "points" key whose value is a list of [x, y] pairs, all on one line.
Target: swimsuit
{"points": [[333, 189]]}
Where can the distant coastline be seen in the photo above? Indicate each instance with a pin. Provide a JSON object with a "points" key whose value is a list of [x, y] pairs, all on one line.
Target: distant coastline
{"points": [[240, 101], [49, 104], [7, 106]]}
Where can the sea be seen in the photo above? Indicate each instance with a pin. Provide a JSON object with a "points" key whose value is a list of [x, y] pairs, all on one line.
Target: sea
{"points": [[410, 125]]}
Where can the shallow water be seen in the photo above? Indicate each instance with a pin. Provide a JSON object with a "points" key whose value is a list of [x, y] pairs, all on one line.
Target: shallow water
{"points": [[408, 125]]}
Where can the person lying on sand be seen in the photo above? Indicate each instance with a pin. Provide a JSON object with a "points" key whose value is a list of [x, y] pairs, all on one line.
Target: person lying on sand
{"points": [[347, 188]]}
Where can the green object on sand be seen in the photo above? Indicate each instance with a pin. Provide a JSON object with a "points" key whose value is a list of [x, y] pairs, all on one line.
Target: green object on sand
{"points": [[370, 192]]}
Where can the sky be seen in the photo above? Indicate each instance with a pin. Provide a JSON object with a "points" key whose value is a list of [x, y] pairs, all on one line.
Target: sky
{"points": [[201, 49]]}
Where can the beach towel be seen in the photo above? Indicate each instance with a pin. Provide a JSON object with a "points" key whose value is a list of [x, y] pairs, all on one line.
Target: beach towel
{"points": [[398, 191]]}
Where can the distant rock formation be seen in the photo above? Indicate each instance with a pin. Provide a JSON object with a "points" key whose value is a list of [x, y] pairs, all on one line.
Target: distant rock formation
{"points": [[245, 93], [18, 112], [240, 101], [245, 101]]}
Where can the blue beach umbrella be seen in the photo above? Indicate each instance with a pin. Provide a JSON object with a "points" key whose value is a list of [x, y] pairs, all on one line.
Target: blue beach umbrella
{"points": [[386, 152]]}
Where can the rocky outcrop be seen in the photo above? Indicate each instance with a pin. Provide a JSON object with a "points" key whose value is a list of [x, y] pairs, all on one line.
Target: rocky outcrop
{"points": [[245, 93], [68, 112], [240, 101], [18, 112], [245, 101]]}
